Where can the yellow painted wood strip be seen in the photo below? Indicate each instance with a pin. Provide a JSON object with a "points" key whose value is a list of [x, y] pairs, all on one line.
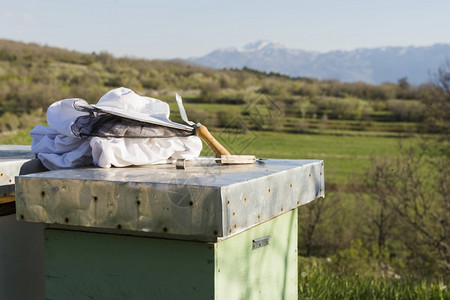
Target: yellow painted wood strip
{"points": [[7, 199]]}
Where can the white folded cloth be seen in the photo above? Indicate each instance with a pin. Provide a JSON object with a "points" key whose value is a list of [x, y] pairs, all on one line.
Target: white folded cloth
{"points": [[122, 152], [57, 151], [58, 147]]}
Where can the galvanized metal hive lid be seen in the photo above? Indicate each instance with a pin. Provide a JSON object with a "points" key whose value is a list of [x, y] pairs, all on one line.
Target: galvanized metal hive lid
{"points": [[12, 157], [199, 203]]}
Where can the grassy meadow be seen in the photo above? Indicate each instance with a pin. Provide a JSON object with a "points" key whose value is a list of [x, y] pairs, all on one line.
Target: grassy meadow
{"points": [[346, 157], [317, 280]]}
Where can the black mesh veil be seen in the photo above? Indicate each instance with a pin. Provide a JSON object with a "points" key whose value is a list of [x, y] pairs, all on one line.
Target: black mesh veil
{"points": [[101, 124]]}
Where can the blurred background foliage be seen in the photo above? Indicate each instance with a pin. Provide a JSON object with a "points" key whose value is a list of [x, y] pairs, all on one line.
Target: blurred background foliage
{"points": [[32, 77]]}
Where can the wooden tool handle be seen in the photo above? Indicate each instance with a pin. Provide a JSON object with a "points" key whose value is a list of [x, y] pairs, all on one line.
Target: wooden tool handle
{"points": [[203, 133]]}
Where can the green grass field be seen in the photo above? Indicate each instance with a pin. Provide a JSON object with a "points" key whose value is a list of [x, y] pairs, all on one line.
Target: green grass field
{"points": [[20, 137], [317, 281], [346, 157]]}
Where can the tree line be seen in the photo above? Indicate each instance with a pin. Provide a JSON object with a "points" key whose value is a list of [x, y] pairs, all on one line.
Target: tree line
{"points": [[34, 76]]}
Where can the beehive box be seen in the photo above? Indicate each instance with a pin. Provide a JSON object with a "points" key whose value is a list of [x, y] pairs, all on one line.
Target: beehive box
{"points": [[21, 244], [207, 232]]}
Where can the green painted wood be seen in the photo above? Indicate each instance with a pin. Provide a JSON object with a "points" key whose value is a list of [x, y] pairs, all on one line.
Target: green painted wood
{"points": [[85, 265], [269, 272], [81, 265]]}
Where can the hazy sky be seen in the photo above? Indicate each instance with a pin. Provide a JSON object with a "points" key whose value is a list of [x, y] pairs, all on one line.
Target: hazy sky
{"points": [[182, 29]]}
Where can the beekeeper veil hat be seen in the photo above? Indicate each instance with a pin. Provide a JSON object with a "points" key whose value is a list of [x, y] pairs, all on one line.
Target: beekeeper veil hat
{"points": [[126, 103]]}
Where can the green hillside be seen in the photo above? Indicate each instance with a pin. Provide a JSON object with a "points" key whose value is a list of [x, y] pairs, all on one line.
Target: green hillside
{"points": [[32, 77]]}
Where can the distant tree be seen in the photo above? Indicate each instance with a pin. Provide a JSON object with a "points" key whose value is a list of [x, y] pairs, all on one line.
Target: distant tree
{"points": [[437, 103], [403, 83], [210, 91], [443, 77], [405, 110], [309, 218], [414, 188], [9, 122], [380, 217], [348, 108], [300, 126]]}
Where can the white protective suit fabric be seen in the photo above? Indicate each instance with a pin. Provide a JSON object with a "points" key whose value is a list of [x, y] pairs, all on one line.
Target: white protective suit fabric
{"points": [[122, 152], [57, 147], [58, 151]]}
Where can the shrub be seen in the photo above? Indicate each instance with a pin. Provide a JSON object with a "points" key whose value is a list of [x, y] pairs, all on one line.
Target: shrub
{"points": [[348, 108], [210, 91], [406, 110], [300, 126], [9, 122]]}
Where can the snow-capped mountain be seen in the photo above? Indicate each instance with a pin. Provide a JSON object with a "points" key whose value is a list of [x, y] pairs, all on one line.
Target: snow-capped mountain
{"points": [[377, 65]]}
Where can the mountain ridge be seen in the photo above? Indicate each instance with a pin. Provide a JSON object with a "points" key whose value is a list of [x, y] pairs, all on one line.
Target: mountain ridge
{"points": [[371, 65]]}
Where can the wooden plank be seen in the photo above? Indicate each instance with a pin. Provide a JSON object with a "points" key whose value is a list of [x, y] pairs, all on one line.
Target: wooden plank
{"points": [[7, 199], [268, 272], [81, 265], [7, 208], [21, 258]]}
